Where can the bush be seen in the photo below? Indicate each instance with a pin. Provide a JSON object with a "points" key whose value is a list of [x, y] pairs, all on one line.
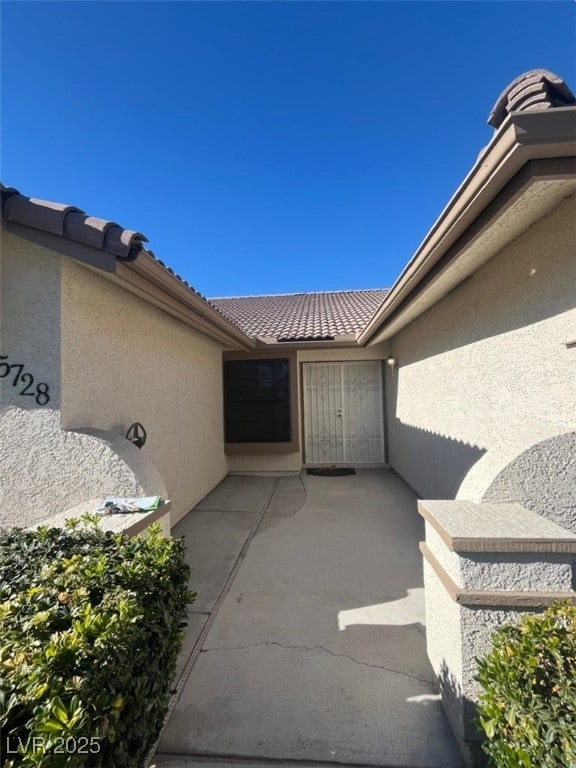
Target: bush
{"points": [[90, 628], [528, 701]]}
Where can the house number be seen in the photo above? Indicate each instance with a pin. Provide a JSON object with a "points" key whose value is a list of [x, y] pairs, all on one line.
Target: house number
{"points": [[24, 380]]}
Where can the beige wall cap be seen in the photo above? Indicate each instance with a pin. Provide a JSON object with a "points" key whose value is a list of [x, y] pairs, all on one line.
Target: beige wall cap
{"points": [[467, 526]]}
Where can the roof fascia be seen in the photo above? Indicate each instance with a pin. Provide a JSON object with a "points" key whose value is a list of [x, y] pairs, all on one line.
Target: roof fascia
{"points": [[443, 276], [146, 278], [524, 136], [156, 284], [92, 257]]}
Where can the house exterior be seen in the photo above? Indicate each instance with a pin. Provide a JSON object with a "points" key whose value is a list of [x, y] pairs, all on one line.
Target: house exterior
{"points": [[461, 377], [115, 341], [334, 406]]}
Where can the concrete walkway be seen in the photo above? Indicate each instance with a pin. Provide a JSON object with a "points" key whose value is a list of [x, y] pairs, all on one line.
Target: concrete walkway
{"points": [[306, 644]]}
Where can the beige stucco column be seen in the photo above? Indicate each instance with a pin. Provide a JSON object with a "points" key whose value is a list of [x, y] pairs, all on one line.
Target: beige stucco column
{"points": [[484, 565]]}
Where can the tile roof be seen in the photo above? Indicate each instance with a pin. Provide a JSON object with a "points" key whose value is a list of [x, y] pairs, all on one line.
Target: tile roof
{"points": [[288, 317], [71, 223], [536, 89], [302, 316]]}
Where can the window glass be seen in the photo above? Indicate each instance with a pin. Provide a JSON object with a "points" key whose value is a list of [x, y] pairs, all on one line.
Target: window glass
{"points": [[257, 401]]}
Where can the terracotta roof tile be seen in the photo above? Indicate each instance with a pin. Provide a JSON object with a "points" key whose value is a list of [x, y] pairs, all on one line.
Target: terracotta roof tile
{"points": [[293, 317], [72, 223], [537, 89], [302, 316]]}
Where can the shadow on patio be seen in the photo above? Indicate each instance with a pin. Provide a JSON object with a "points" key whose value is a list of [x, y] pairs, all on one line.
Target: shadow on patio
{"points": [[307, 641]]}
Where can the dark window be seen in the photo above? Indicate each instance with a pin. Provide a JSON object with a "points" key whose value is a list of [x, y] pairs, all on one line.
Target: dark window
{"points": [[257, 401]]}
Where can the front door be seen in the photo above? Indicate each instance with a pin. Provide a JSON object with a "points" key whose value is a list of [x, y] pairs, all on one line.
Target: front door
{"points": [[343, 413]]}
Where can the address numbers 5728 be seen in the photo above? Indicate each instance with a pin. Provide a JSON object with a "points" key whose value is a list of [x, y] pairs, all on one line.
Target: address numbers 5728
{"points": [[25, 381]]}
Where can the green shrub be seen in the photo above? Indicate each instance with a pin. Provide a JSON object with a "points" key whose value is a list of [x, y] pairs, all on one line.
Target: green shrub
{"points": [[90, 628], [528, 701]]}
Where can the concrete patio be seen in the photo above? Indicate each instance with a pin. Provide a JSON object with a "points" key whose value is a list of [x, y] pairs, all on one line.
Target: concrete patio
{"points": [[307, 643]]}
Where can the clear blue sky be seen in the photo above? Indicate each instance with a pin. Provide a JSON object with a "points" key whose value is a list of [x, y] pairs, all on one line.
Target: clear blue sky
{"points": [[265, 147]]}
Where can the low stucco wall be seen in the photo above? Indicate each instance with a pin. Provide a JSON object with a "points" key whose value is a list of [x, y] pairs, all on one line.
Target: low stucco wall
{"points": [[486, 373], [47, 470], [124, 360], [543, 476], [292, 462]]}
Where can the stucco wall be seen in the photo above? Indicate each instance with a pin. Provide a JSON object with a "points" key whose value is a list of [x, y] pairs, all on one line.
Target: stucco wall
{"points": [[292, 462], [544, 478], [45, 469], [30, 320], [123, 361], [377, 352], [485, 374]]}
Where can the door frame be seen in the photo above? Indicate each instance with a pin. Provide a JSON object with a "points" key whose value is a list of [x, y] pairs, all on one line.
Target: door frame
{"points": [[355, 465]]}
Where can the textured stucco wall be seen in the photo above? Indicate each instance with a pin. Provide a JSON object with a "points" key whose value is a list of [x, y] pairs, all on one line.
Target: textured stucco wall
{"points": [[444, 646], [457, 634], [503, 571], [46, 470], [265, 462], [123, 361], [377, 352], [43, 468], [485, 374], [544, 478], [30, 310], [292, 462]]}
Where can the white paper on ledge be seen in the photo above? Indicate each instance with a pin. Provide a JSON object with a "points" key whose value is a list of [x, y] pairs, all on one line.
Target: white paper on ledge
{"points": [[132, 503]]}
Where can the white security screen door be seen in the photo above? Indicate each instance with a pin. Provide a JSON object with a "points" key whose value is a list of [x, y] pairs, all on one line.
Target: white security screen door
{"points": [[343, 419]]}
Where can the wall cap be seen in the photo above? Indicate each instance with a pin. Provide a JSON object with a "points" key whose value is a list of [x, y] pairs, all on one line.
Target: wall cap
{"points": [[129, 524], [467, 526]]}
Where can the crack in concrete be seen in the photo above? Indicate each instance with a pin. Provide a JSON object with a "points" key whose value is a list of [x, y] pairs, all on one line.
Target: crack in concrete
{"points": [[326, 650]]}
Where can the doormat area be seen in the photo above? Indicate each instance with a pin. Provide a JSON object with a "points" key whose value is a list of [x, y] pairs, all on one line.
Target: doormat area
{"points": [[331, 471]]}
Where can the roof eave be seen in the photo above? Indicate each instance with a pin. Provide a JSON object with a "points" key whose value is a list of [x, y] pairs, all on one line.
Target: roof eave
{"points": [[523, 136], [86, 254], [155, 283], [146, 278]]}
